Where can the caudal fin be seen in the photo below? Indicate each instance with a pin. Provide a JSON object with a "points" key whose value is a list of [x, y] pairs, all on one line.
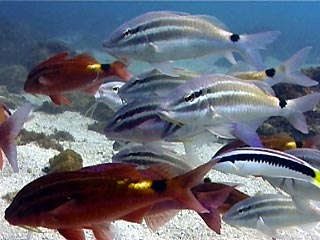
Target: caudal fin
{"points": [[180, 186], [296, 107], [9, 131], [290, 71], [249, 45]]}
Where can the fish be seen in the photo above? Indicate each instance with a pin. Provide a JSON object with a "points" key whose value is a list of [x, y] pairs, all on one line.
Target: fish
{"points": [[299, 189], [145, 156], [232, 108], [214, 196], [154, 83], [281, 141], [268, 213], [108, 95], [63, 200], [287, 72], [249, 161], [159, 37], [62, 74], [139, 122], [10, 126]]}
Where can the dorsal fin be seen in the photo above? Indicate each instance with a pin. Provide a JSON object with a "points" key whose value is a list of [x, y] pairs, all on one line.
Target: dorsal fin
{"points": [[56, 58], [214, 20], [163, 170], [86, 57]]}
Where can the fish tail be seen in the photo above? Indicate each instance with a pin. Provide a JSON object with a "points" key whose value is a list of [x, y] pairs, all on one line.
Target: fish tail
{"points": [[295, 108], [180, 186], [10, 129], [251, 43], [317, 177], [312, 142], [290, 70]]}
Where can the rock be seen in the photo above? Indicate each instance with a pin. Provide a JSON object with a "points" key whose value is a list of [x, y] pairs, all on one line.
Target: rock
{"points": [[67, 160]]}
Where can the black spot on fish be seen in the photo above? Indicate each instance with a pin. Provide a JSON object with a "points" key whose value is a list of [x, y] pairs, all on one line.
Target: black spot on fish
{"points": [[159, 186], [234, 37], [207, 180], [105, 67], [277, 161], [282, 102], [299, 144], [270, 72]]}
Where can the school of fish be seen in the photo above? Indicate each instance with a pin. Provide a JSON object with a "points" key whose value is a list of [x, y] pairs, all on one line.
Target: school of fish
{"points": [[146, 181]]}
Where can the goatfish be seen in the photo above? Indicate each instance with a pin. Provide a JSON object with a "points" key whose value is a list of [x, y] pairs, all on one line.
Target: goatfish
{"points": [[145, 156], [154, 83], [108, 95], [10, 126], [268, 213], [62, 74], [281, 141], [264, 162], [287, 72], [299, 189], [232, 108], [63, 200], [163, 36]]}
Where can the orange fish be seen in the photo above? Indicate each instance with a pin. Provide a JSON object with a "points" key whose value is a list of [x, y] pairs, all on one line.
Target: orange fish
{"points": [[10, 126], [281, 142], [91, 198], [62, 74]]}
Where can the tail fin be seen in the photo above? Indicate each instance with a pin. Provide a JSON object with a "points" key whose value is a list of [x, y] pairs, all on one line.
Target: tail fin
{"points": [[249, 45], [9, 131], [180, 186], [296, 107], [290, 71]]}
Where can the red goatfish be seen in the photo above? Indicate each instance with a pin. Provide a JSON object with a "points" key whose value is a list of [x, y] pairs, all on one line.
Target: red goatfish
{"points": [[62, 74], [72, 201], [10, 126]]}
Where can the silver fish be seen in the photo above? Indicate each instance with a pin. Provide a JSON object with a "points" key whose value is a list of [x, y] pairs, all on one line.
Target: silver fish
{"points": [[300, 189], [269, 212], [266, 162], [154, 83], [230, 107], [145, 156], [287, 72], [162, 36]]}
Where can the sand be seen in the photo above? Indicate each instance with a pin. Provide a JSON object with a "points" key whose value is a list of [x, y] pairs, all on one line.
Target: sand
{"points": [[96, 148]]}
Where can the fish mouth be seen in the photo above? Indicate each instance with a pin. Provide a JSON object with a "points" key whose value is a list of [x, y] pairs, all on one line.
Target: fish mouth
{"points": [[165, 115]]}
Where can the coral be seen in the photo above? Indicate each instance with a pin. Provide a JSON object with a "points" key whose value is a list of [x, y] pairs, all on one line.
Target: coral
{"points": [[67, 160]]}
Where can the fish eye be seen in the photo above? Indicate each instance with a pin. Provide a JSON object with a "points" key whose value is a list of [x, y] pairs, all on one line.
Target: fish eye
{"points": [[115, 89], [127, 33], [189, 97]]}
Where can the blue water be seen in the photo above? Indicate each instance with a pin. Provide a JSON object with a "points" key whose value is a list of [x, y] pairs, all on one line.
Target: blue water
{"points": [[86, 24]]}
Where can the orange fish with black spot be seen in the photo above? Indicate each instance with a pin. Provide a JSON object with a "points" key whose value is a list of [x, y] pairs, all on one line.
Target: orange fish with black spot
{"points": [[62, 74], [10, 126], [93, 197]]}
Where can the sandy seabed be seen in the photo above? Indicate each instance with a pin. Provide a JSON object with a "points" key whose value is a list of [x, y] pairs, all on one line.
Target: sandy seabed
{"points": [[96, 148]]}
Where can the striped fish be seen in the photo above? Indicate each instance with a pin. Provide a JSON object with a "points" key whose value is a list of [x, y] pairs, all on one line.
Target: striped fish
{"points": [[230, 107], [145, 156], [269, 212], [108, 95], [300, 189], [154, 83], [266, 162], [162, 36]]}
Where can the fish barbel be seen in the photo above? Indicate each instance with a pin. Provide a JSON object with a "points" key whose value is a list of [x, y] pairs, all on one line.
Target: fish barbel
{"points": [[230, 107], [162, 36]]}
